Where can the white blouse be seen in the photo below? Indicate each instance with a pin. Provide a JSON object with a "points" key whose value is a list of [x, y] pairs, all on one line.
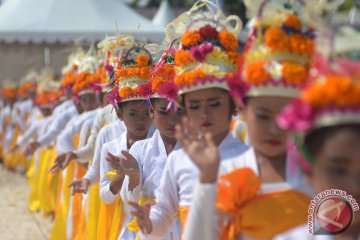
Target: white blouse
{"points": [[178, 182], [151, 156]]}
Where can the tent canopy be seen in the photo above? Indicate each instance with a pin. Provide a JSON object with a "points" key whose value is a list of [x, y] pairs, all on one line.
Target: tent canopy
{"points": [[67, 21]]}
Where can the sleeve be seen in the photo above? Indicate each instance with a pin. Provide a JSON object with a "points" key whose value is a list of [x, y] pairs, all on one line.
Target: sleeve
{"points": [[203, 211], [56, 127], [93, 173], [133, 195], [167, 200], [65, 140], [105, 194], [86, 152], [84, 132], [24, 138]]}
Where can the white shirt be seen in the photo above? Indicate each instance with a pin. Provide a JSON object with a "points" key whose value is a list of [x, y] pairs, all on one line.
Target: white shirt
{"points": [[105, 116], [57, 126], [178, 181], [151, 157], [65, 140], [203, 208], [106, 134]]}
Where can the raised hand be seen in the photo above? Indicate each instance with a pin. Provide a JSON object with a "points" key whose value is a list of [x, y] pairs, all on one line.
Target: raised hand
{"points": [[79, 186], [31, 148], [201, 149], [142, 214]]}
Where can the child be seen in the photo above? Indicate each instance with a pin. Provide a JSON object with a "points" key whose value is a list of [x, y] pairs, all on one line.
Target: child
{"points": [[206, 59], [252, 187], [328, 129]]}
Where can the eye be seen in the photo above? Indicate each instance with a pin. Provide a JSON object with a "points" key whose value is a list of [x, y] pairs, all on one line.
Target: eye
{"points": [[262, 116], [194, 106], [214, 104], [132, 114], [339, 171]]}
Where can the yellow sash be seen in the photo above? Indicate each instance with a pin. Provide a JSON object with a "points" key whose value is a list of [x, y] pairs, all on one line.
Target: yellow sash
{"points": [[93, 212], [258, 215]]}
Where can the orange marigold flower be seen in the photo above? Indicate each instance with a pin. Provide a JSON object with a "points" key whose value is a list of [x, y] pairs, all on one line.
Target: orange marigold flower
{"points": [[125, 92], [166, 71], [294, 72], [228, 40], [301, 44], [157, 83], [191, 38], [255, 73], [189, 78], [276, 39], [293, 22], [142, 60], [183, 57], [235, 57]]}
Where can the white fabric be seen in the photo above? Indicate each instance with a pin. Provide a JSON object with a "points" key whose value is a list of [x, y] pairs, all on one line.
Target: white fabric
{"points": [[85, 132], [151, 156], [203, 207], [67, 21], [178, 181], [106, 134], [8, 131], [105, 116], [32, 132], [57, 125], [65, 140]]}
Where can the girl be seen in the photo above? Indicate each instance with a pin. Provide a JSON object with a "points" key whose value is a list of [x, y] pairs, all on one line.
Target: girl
{"points": [[148, 157], [328, 130], [206, 59], [256, 197]]}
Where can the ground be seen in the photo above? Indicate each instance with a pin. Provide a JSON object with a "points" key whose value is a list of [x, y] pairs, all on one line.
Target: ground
{"points": [[16, 221]]}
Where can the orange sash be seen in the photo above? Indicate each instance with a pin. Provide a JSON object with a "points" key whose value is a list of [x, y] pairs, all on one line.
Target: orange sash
{"points": [[258, 215]]}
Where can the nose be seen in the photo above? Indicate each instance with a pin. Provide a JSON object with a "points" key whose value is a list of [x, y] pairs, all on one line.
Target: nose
{"points": [[274, 128]]}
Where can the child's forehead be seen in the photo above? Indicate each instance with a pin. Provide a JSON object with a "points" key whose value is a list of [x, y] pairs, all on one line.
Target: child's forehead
{"points": [[206, 94]]}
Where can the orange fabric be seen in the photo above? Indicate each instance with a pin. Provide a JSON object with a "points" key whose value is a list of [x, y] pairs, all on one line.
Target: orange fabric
{"points": [[258, 215]]}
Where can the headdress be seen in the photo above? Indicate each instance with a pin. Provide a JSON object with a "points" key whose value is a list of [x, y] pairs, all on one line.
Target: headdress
{"points": [[279, 49], [208, 52]]}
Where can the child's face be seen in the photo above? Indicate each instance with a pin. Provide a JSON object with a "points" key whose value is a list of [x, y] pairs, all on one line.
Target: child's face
{"points": [[88, 102], [338, 166], [209, 110], [136, 117], [260, 115], [165, 121]]}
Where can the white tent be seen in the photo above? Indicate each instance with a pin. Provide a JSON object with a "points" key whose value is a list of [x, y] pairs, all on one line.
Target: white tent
{"points": [[71, 20], [164, 15]]}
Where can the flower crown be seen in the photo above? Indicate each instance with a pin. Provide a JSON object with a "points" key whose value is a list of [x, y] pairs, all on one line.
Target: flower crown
{"points": [[333, 99], [46, 99], [277, 55], [86, 82], [207, 58], [133, 75], [8, 93], [69, 77]]}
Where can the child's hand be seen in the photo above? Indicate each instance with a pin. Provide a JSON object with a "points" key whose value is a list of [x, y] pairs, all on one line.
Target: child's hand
{"points": [[201, 149], [142, 213], [59, 163], [79, 186], [115, 163]]}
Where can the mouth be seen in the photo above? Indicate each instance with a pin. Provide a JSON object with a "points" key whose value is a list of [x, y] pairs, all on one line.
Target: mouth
{"points": [[274, 142], [171, 129], [206, 124], [140, 128]]}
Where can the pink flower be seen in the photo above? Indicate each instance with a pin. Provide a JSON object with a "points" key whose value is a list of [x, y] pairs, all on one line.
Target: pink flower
{"points": [[169, 91], [145, 90], [237, 87], [109, 68], [200, 52], [347, 66], [297, 116]]}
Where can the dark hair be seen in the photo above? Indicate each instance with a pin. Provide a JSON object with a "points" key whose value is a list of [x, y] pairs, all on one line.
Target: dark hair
{"points": [[121, 105], [315, 140]]}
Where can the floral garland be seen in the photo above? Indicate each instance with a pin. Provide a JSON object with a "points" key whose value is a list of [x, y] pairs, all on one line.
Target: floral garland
{"points": [[8, 93], [69, 77], [46, 97], [86, 80], [336, 90], [289, 37], [292, 72]]}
